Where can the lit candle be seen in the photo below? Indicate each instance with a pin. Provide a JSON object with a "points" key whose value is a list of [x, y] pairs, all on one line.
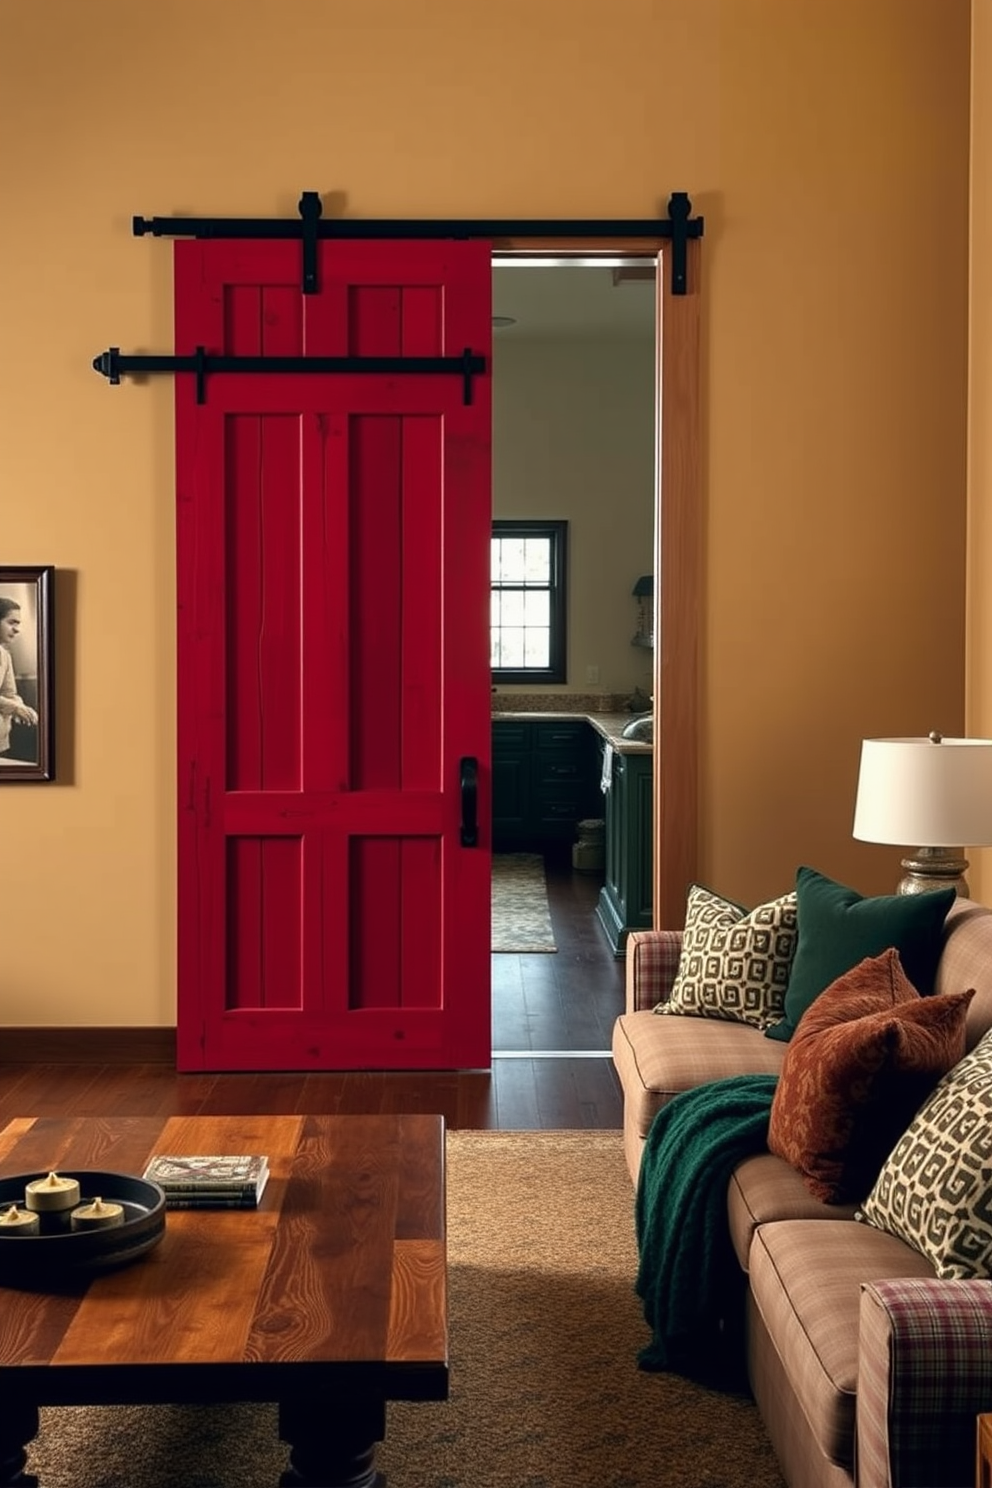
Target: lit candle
{"points": [[52, 1193], [14, 1221], [96, 1216]]}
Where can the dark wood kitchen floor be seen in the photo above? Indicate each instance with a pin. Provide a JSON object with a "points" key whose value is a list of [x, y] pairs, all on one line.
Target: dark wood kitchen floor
{"points": [[552, 1020]]}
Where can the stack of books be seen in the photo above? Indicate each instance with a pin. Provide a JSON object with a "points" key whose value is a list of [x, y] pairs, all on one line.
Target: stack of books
{"points": [[209, 1182]]}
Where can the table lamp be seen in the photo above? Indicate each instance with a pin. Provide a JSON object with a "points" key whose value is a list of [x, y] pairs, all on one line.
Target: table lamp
{"points": [[934, 791]]}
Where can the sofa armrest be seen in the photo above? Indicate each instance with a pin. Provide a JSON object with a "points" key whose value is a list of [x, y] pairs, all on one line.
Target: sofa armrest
{"points": [[652, 961], [924, 1374]]}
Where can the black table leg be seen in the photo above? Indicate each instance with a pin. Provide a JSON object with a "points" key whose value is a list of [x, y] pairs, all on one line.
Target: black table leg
{"points": [[332, 1443]]}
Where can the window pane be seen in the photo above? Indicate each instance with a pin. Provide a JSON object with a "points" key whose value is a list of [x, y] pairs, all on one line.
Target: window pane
{"points": [[537, 560], [511, 647], [536, 607], [514, 608], [521, 560], [508, 559], [536, 648]]}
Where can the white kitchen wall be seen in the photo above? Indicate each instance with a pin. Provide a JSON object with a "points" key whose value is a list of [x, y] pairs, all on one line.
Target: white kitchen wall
{"points": [[573, 439]]}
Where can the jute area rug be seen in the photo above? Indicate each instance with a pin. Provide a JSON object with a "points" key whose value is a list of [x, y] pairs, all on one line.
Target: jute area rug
{"points": [[545, 1389], [521, 920]]}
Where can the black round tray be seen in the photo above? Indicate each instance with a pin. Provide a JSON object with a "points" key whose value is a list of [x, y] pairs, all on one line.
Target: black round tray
{"points": [[70, 1254]]}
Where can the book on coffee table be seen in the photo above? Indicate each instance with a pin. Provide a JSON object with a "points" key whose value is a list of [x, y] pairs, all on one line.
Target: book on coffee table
{"points": [[209, 1180]]}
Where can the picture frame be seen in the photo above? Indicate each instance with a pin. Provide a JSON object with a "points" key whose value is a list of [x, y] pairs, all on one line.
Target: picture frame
{"points": [[27, 690]]}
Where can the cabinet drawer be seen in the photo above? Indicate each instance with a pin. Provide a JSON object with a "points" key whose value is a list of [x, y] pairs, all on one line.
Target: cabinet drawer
{"points": [[559, 804], [561, 735], [558, 769], [511, 738]]}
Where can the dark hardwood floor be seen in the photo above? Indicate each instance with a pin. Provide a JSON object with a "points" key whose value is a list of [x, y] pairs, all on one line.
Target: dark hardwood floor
{"points": [[568, 1000], [552, 1021]]}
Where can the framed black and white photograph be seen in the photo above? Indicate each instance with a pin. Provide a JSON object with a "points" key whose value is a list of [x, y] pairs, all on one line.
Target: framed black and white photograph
{"points": [[27, 723]]}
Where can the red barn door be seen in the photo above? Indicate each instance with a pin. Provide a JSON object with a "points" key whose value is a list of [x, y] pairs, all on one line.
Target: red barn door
{"points": [[333, 661]]}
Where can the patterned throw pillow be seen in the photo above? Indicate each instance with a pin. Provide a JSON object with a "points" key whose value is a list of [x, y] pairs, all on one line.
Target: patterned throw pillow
{"points": [[733, 964], [865, 1055], [935, 1189]]}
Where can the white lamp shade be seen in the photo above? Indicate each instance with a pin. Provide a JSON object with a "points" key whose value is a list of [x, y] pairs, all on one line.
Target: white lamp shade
{"points": [[921, 793]]}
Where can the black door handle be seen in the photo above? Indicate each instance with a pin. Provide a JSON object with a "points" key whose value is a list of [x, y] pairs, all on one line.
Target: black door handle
{"points": [[469, 782]]}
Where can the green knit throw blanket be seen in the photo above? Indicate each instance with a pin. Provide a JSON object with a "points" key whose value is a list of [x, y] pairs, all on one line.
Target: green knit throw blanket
{"points": [[687, 1269]]}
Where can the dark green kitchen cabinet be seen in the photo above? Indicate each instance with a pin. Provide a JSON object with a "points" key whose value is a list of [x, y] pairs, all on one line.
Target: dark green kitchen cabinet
{"points": [[544, 780], [625, 898], [511, 780]]}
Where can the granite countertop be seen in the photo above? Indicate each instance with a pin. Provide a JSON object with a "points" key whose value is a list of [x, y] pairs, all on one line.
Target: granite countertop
{"points": [[611, 726], [608, 721]]}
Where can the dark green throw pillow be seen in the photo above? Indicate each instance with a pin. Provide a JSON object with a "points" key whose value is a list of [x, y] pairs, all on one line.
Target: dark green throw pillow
{"points": [[838, 927]]}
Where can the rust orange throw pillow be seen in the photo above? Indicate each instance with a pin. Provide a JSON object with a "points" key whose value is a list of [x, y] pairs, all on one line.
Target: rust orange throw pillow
{"points": [[863, 1058]]}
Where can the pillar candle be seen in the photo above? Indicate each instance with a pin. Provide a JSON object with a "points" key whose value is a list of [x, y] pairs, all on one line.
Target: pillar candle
{"points": [[14, 1221], [96, 1216], [52, 1193]]}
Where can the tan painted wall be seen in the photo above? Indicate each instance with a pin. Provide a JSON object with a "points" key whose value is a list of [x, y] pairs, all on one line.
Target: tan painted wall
{"points": [[826, 144], [979, 684]]}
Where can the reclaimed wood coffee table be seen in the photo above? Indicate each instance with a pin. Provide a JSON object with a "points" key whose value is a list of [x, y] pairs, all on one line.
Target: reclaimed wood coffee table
{"points": [[330, 1298]]}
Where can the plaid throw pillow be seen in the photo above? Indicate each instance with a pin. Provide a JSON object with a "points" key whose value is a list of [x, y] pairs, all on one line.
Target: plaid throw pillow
{"points": [[734, 964]]}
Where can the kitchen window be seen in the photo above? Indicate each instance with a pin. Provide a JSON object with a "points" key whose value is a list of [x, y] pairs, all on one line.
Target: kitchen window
{"points": [[527, 601]]}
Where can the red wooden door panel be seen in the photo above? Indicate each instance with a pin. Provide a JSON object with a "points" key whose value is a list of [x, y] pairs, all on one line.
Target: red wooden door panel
{"points": [[333, 662]]}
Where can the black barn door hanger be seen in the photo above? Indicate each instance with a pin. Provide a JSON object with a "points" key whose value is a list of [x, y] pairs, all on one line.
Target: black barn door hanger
{"points": [[311, 226]]}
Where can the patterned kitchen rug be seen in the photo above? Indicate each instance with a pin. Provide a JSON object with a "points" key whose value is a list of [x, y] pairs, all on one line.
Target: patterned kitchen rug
{"points": [[521, 919]]}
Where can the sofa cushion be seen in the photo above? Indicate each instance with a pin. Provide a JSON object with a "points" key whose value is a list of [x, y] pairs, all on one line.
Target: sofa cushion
{"points": [[864, 1056], [838, 927], [766, 1188], [935, 1189], [655, 1058], [734, 964], [805, 1278]]}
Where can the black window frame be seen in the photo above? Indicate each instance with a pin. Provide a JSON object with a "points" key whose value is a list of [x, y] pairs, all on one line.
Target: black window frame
{"points": [[557, 533]]}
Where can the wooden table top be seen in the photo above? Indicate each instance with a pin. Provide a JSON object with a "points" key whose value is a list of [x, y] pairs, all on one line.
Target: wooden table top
{"points": [[337, 1279]]}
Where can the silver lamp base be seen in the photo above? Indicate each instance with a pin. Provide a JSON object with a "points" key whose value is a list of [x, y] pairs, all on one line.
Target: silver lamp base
{"points": [[934, 868]]}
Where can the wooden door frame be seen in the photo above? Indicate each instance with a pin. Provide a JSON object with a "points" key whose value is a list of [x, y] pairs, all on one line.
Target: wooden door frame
{"points": [[678, 562]]}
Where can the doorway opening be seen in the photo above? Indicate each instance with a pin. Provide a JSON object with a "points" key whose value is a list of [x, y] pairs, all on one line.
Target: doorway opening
{"points": [[678, 564], [575, 440]]}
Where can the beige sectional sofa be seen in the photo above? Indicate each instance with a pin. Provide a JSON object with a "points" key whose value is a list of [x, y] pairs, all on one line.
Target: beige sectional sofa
{"points": [[868, 1370]]}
